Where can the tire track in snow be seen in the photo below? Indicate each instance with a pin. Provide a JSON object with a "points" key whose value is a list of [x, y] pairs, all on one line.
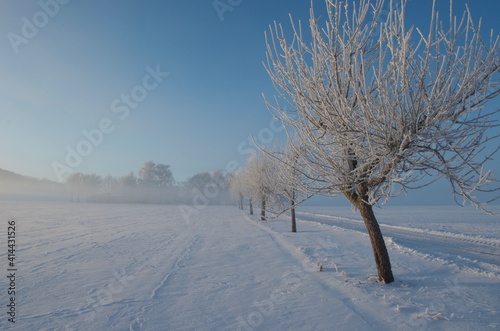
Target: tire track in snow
{"points": [[183, 255], [182, 249]]}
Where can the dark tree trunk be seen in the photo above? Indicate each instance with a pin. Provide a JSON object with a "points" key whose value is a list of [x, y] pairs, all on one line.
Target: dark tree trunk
{"points": [[380, 253], [241, 201], [263, 210], [382, 261], [251, 206], [292, 213]]}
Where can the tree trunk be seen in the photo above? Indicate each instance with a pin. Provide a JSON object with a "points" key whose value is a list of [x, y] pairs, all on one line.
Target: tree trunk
{"points": [[380, 253], [241, 201], [292, 213], [263, 210], [251, 206]]}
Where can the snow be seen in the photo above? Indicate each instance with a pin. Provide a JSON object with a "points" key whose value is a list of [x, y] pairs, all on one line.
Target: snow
{"points": [[146, 267]]}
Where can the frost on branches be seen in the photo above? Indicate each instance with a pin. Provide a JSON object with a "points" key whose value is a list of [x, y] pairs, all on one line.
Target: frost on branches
{"points": [[256, 181], [381, 106]]}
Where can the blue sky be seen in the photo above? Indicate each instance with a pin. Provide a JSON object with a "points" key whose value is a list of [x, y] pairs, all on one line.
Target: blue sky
{"points": [[88, 54]]}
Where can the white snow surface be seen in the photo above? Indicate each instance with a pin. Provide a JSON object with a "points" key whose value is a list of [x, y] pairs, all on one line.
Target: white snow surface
{"points": [[150, 267]]}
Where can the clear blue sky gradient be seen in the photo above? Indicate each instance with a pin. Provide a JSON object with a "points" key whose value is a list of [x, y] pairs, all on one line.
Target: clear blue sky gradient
{"points": [[66, 77]]}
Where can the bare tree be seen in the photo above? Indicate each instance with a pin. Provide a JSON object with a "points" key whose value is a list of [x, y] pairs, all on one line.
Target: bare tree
{"points": [[261, 181], [256, 182], [237, 188], [289, 180], [379, 105], [243, 185]]}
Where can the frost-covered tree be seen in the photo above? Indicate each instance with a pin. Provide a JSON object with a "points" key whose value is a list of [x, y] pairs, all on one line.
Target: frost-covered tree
{"points": [[237, 188], [259, 181], [289, 180], [381, 106], [255, 181]]}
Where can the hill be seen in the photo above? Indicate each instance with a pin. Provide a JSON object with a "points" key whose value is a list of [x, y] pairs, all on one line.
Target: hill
{"points": [[15, 185]]}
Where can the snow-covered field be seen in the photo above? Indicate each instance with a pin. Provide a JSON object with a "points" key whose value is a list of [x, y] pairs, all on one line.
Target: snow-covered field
{"points": [[146, 267]]}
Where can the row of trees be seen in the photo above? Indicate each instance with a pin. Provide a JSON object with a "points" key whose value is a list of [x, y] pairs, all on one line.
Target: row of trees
{"points": [[274, 181], [372, 108], [154, 184]]}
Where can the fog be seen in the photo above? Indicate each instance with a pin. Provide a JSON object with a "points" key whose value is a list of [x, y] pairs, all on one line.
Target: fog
{"points": [[31, 189], [91, 188]]}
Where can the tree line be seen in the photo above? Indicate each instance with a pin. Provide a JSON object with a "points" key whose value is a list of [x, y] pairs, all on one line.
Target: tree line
{"points": [[154, 183]]}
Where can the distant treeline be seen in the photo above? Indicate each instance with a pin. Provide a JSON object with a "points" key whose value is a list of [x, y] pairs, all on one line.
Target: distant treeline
{"points": [[153, 184]]}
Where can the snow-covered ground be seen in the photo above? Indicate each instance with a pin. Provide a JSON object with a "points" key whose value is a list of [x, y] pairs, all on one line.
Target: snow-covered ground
{"points": [[149, 267]]}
